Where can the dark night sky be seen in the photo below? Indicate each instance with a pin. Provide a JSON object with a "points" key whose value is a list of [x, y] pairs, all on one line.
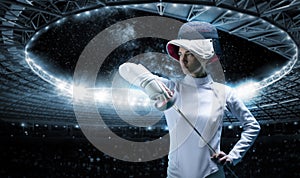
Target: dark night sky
{"points": [[58, 49]]}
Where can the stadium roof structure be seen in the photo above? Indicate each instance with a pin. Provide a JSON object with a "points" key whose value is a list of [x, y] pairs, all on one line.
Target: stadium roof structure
{"points": [[273, 24]]}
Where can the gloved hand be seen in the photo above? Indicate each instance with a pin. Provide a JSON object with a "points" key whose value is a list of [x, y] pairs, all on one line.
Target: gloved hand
{"points": [[221, 158], [138, 75]]}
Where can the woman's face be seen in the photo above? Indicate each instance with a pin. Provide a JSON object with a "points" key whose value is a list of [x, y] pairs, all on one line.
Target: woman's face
{"points": [[190, 65]]}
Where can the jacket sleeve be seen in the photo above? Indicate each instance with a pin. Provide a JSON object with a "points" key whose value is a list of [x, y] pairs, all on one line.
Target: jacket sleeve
{"points": [[251, 127]]}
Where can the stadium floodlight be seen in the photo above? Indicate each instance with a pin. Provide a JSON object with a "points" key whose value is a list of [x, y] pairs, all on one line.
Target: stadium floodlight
{"points": [[247, 90], [79, 92], [102, 95]]}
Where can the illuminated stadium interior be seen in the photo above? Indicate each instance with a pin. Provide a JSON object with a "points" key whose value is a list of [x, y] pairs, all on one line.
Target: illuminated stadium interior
{"points": [[41, 42]]}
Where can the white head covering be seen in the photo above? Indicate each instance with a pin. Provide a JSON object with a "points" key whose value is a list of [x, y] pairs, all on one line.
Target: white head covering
{"points": [[200, 48], [200, 38]]}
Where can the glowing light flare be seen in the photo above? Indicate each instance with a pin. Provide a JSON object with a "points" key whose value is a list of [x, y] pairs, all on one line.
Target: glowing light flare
{"points": [[166, 128], [28, 60], [146, 103], [248, 90], [80, 92], [29, 2], [136, 95], [101, 96], [65, 87], [61, 85], [132, 103], [58, 22], [206, 7]]}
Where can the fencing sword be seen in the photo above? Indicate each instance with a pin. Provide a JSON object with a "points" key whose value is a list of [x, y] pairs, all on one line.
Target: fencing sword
{"points": [[175, 107]]}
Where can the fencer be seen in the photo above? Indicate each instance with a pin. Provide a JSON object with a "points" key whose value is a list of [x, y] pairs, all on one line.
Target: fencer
{"points": [[202, 101]]}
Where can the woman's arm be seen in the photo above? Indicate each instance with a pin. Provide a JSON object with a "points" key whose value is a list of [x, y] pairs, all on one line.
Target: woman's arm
{"points": [[138, 75], [250, 131]]}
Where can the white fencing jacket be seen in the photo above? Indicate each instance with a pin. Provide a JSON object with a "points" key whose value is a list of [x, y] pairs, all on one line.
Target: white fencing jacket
{"points": [[203, 102]]}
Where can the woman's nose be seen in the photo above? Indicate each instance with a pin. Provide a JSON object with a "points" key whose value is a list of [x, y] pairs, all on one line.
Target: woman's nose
{"points": [[183, 59]]}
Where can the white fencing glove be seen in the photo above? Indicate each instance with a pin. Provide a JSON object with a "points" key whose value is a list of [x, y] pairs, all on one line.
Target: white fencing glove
{"points": [[138, 75]]}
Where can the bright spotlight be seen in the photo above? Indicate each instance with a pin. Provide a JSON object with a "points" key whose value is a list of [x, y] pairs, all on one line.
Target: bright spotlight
{"points": [[61, 85], [132, 103], [277, 72], [79, 92], [145, 103], [101, 96], [207, 7], [247, 90], [28, 59], [166, 128]]}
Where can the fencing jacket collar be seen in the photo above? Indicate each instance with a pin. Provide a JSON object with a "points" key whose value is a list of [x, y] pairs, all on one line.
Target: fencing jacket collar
{"points": [[196, 82]]}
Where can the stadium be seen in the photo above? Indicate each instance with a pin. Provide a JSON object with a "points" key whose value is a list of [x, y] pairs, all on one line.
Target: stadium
{"points": [[52, 100]]}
